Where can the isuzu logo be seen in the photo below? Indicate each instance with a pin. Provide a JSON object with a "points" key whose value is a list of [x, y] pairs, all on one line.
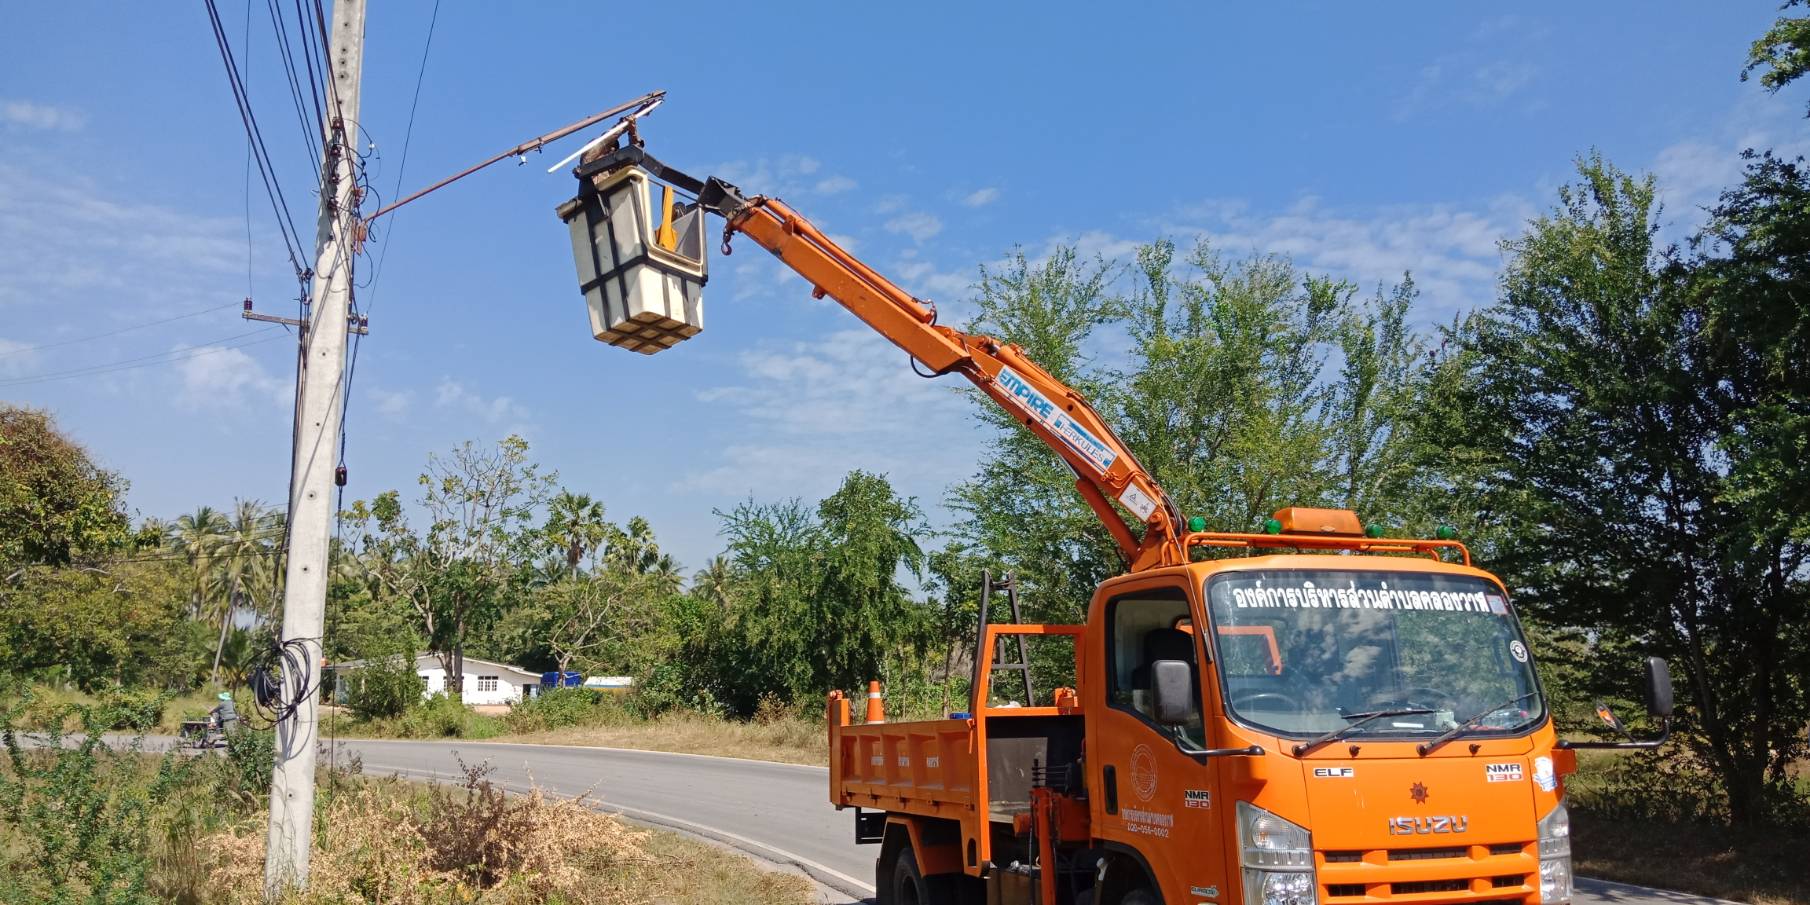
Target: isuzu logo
{"points": [[1427, 826]]}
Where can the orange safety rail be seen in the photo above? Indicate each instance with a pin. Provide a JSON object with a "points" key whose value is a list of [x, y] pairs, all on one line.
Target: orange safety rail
{"points": [[1430, 548], [1266, 632], [933, 768]]}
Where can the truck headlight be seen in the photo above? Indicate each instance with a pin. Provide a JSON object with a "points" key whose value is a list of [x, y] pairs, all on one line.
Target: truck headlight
{"points": [[1555, 856], [1277, 857]]}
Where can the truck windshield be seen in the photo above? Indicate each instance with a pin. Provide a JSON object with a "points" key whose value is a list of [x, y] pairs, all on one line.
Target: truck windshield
{"points": [[1304, 652]]}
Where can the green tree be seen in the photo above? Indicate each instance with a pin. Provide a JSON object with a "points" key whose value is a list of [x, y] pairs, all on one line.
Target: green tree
{"points": [[197, 536], [476, 556], [95, 628], [243, 550], [1611, 398], [1241, 386], [1783, 51], [56, 504], [575, 527]]}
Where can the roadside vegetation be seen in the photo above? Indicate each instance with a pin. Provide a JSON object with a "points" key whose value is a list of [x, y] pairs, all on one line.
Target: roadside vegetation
{"points": [[92, 822]]}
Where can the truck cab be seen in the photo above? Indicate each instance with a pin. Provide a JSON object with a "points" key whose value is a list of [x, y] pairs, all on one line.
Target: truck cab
{"points": [[1339, 724]]}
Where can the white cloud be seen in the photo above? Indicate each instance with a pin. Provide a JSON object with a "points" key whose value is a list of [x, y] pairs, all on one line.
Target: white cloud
{"points": [[217, 377], [852, 382], [391, 403], [920, 226], [1691, 173], [20, 114], [924, 279], [1450, 82], [73, 243], [1451, 249], [15, 358], [846, 401], [981, 197], [787, 174], [498, 411]]}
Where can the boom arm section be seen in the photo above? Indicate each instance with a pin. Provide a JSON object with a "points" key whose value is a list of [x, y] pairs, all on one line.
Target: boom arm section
{"points": [[1105, 470]]}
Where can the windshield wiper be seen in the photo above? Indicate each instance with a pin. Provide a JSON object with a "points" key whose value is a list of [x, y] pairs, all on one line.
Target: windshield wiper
{"points": [[1357, 720], [1466, 726]]}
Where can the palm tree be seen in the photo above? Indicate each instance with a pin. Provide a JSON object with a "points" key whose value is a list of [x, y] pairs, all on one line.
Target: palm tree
{"points": [[575, 525], [713, 581], [243, 554], [197, 535]]}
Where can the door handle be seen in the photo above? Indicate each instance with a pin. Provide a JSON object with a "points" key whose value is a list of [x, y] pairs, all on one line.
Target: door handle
{"points": [[1109, 781]]}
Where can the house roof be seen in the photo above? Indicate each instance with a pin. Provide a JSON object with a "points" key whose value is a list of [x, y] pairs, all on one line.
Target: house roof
{"points": [[431, 660]]}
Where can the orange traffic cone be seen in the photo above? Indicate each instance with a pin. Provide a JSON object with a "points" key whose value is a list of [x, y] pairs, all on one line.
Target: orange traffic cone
{"points": [[876, 710]]}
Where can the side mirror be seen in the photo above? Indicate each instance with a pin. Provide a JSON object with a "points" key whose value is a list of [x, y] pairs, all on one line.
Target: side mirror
{"points": [[1172, 691], [1659, 687]]}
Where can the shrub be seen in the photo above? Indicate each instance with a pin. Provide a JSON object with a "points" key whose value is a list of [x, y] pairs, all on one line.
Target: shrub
{"points": [[442, 716], [250, 757], [132, 710], [78, 817], [560, 707], [386, 688], [471, 844]]}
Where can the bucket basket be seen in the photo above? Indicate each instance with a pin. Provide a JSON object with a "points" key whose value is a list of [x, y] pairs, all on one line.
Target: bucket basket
{"points": [[640, 258]]}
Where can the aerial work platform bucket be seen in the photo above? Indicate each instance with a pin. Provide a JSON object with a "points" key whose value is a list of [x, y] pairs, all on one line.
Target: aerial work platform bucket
{"points": [[641, 261]]}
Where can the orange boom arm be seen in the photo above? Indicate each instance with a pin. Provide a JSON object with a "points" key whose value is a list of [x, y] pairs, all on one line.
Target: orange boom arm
{"points": [[1105, 471]]}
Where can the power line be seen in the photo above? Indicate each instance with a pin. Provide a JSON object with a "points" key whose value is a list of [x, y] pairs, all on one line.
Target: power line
{"points": [[144, 361], [266, 169], [286, 56], [250, 268], [94, 336]]}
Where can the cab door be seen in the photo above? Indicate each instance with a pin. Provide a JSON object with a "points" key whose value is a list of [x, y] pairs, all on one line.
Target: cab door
{"points": [[1156, 791]]}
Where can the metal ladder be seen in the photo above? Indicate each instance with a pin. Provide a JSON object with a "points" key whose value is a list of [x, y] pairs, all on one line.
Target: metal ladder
{"points": [[988, 586]]}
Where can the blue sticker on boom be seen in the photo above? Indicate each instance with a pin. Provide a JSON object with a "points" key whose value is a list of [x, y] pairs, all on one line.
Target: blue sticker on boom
{"points": [[1058, 422]]}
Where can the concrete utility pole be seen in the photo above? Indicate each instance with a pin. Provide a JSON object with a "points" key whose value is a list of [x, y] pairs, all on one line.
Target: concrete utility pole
{"points": [[318, 413]]}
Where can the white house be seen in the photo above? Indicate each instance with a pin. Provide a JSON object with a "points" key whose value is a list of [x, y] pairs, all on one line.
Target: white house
{"points": [[485, 682]]}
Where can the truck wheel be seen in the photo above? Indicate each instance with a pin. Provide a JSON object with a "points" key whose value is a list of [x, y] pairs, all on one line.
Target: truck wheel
{"points": [[1140, 897], [911, 887]]}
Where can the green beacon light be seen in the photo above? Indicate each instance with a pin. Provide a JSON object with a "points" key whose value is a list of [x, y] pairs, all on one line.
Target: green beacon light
{"points": [[1197, 523], [1446, 532], [1373, 531], [1272, 526]]}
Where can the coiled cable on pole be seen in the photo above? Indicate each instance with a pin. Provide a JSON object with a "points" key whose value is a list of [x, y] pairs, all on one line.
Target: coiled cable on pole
{"points": [[282, 660]]}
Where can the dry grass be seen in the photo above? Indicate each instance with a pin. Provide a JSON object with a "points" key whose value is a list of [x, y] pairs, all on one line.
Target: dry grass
{"points": [[1762, 868], [393, 842], [1655, 819], [791, 740]]}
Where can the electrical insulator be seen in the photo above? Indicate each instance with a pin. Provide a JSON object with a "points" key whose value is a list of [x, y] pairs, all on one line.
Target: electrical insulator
{"points": [[339, 476]]}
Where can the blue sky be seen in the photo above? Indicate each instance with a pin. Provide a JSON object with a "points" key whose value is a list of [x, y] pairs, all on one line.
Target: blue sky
{"points": [[1361, 139]]}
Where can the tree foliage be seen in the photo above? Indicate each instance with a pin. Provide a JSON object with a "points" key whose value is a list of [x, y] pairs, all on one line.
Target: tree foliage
{"points": [[1242, 386], [56, 504], [1783, 52], [462, 572], [806, 600], [1637, 415]]}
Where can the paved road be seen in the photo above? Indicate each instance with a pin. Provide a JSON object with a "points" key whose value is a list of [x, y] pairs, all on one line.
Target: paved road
{"points": [[778, 812]]}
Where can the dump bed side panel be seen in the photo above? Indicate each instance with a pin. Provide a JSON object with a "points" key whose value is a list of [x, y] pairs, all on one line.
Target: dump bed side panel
{"points": [[925, 767]]}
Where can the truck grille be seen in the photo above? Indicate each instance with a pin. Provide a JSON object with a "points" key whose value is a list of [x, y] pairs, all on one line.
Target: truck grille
{"points": [[1481, 874], [1427, 854]]}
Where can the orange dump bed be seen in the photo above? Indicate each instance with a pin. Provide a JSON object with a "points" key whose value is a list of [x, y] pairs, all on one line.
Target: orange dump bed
{"points": [[973, 769]]}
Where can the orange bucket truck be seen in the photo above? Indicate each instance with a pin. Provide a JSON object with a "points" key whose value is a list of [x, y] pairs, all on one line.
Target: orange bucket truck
{"points": [[1333, 717]]}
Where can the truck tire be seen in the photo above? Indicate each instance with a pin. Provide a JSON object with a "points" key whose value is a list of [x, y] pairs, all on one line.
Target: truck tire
{"points": [[910, 887], [1140, 897]]}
